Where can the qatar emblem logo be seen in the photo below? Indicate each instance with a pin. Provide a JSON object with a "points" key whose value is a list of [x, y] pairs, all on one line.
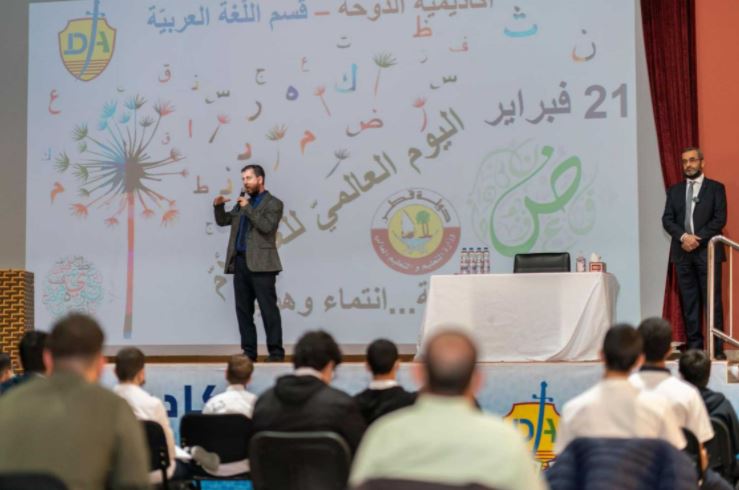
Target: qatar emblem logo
{"points": [[415, 231]]}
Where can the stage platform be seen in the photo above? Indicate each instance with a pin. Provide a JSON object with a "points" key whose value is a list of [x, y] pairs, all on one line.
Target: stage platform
{"points": [[530, 394]]}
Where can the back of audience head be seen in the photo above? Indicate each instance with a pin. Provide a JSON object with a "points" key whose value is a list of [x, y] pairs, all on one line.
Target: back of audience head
{"points": [[657, 336], [31, 351], [129, 366], [695, 367], [449, 365], [6, 367], [317, 350], [239, 370], [622, 348], [76, 344], [382, 359]]}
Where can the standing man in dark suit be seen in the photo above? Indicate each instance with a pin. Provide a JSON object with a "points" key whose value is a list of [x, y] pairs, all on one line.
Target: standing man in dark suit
{"points": [[694, 213], [253, 260]]}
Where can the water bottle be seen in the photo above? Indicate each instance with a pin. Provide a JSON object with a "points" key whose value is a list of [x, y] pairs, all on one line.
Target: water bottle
{"points": [[580, 265], [480, 265], [463, 261]]}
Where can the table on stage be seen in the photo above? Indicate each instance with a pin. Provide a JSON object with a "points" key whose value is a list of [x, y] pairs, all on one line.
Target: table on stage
{"points": [[526, 317]]}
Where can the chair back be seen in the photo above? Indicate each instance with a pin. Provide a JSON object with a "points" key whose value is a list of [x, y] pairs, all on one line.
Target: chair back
{"points": [[158, 450], [692, 449], [542, 262], [720, 455], [30, 481], [299, 460], [227, 435]]}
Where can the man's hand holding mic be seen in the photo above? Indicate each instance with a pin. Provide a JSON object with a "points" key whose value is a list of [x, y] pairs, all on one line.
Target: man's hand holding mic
{"points": [[243, 199]]}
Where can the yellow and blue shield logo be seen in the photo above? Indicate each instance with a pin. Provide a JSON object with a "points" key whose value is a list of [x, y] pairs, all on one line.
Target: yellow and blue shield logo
{"points": [[86, 46], [538, 421]]}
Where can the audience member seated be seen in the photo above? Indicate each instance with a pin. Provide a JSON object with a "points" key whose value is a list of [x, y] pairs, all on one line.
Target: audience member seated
{"points": [[442, 438], [653, 376], [685, 400], [6, 367], [623, 464], [131, 373], [614, 407], [304, 401], [67, 424], [695, 368], [31, 353], [235, 399], [384, 394]]}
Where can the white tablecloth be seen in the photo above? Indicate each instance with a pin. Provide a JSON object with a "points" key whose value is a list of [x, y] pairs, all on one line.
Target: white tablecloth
{"points": [[525, 317]]}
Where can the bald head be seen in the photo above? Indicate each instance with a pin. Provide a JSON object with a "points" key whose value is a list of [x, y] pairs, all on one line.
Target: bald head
{"points": [[449, 363]]}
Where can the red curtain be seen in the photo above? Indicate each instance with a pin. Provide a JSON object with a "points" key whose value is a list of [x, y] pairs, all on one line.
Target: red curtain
{"points": [[669, 38]]}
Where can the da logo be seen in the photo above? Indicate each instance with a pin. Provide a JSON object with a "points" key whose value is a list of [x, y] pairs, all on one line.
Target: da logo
{"points": [[537, 421], [415, 231], [86, 45]]}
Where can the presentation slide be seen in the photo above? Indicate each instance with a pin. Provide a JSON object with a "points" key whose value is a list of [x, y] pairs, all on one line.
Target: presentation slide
{"points": [[395, 132]]}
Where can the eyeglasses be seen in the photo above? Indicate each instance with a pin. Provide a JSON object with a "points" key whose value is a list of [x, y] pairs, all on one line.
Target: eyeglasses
{"points": [[691, 160]]}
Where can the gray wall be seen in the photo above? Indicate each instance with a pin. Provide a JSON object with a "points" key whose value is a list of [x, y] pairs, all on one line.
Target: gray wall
{"points": [[13, 92]]}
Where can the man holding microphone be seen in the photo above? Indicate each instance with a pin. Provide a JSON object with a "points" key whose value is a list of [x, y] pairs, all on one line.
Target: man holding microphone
{"points": [[253, 260]]}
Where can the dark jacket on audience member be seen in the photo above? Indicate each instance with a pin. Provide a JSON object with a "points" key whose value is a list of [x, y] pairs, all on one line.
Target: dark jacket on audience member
{"points": [[626, 464], [305, 403], [375, 403], [17, 381], [718, 406]]}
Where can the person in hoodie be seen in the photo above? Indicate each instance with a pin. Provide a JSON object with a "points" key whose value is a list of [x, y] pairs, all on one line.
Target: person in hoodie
{"points": [[695, 368], [384, 394], [304, 400]]}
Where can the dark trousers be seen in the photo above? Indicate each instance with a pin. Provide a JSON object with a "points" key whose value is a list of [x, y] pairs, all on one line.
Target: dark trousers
{"points": [[260, 286], [692, 279]]}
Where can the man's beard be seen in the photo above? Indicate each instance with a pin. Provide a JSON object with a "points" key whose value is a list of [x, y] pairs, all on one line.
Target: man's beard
{"points": [[697, 174]]}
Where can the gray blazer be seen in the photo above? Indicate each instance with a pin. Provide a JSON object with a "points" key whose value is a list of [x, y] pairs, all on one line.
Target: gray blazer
{"points": [[261, 248]]}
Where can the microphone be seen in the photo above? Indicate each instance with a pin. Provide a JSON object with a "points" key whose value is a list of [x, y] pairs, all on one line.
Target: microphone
{"points": [[241, 194]]}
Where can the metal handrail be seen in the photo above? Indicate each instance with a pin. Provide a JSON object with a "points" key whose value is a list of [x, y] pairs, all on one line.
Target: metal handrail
{"points": [[711, 293]]}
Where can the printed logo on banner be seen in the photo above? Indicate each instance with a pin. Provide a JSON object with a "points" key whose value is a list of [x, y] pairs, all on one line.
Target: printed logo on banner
{"points": [[538, 422], [86, 45], [415, 231]]}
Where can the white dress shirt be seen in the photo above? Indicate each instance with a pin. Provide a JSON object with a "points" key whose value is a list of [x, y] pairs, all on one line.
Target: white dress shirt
{"points": [[697, 183], [616, 408], [685, 400], [148, 407], [234, 400]]}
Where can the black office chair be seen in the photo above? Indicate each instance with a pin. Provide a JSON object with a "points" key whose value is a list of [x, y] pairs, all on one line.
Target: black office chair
{"points": [[158, 450], [299, 460], [542, 262], [720, 455], [692, 449], [227, 435], [30, 481]]}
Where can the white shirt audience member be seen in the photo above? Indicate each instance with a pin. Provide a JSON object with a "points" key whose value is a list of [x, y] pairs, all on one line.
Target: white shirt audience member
{"points": [[236, 399], [616, 408], [684, 398]]}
